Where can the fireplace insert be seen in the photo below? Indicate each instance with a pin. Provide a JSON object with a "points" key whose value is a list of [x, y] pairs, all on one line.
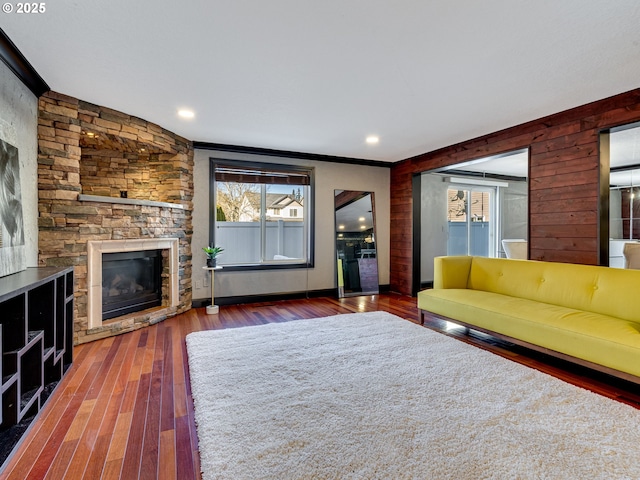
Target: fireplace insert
{"points": [[131, 282]]}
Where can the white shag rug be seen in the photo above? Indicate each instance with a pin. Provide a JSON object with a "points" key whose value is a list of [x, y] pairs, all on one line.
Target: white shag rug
{"points": [[372, 396]]}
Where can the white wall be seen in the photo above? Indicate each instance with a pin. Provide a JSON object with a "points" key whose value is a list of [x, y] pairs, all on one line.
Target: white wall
{"points": [[328, 177], [615, 213], [514, 210], [433, 221], [19, 127]]}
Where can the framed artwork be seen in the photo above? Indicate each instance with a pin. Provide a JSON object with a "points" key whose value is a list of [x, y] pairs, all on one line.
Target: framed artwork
{"points": [[12, 238]]}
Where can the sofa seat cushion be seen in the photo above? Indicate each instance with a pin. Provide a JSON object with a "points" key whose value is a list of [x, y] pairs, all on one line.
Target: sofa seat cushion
{"points": [[601, 339]]}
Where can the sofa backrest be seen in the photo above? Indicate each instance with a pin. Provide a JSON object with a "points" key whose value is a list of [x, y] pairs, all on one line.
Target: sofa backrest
{"points": [[604, 290]]}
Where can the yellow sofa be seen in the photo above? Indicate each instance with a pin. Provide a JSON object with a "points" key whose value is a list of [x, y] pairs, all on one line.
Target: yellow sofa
{"points": [[586, 314]]}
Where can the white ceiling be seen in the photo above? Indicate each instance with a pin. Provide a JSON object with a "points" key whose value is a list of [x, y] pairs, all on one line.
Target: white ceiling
{"points": [[317, 77], [514, 164], [625, 147]]}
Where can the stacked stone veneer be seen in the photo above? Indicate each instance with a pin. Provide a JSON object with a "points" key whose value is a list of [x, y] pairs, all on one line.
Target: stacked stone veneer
{"points": [[85, 148]]}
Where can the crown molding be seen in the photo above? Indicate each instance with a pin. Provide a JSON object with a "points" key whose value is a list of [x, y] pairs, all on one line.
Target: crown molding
{"points": [[288, 154], [18, 64]]}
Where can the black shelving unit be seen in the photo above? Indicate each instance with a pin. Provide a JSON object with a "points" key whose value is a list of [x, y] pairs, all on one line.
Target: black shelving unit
{"points": [[36, 345]]}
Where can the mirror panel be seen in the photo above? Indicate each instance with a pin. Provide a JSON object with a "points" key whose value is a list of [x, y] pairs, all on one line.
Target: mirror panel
{"points": [[624, 190], [355, 237]]}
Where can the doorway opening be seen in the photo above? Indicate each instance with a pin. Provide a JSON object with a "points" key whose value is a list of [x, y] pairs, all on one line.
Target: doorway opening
{"points": [[480, 208]]}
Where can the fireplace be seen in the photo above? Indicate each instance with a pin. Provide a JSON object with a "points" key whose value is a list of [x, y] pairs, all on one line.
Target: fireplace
{"points": [[120, 270], [131, 282]]}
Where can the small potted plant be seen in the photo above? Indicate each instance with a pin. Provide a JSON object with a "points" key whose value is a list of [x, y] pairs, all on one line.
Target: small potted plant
{"points": [[212, 255]]}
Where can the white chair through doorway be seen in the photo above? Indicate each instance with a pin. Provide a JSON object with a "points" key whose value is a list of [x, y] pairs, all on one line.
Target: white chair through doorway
{"points": [[631, 252], [515, 248]]}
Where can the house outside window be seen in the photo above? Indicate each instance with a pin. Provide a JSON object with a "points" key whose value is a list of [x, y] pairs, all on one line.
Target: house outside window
{"points": [[264, 214]]}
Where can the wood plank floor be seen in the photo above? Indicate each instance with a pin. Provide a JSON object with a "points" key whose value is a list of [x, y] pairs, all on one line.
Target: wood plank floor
{"points": [[124, 410]]}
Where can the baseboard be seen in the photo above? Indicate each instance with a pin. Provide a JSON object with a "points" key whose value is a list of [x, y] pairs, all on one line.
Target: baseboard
{"points": [[273, 297], [268, 297]]}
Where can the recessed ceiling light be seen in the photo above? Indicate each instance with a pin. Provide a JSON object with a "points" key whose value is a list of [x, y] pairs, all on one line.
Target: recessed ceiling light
{"points": [[361, 219], [372, 139], [363, 227], [184, 113], [341, 227]]}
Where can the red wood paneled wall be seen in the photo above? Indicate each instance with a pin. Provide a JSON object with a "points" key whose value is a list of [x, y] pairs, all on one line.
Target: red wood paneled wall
{"points": [[564, 184]]}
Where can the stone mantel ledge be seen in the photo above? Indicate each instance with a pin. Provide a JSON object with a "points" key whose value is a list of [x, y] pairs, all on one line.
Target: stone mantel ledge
{"points": [[128, 201]]}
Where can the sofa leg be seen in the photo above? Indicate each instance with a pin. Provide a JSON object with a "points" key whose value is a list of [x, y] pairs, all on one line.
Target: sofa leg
{"points": [[421, 317]]}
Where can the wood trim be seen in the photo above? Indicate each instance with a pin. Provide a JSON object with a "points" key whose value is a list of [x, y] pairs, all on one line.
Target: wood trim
{"points": [[347, 197], [603, 203], [18, 64], [426, 315], [416, 264]]}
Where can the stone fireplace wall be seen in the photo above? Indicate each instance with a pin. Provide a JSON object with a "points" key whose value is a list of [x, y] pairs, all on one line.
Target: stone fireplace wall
{"points": [[92, 150]]}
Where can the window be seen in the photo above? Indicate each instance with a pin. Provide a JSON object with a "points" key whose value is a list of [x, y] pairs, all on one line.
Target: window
{"points": [[471, 229], [457, 208], [264, 214]]}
